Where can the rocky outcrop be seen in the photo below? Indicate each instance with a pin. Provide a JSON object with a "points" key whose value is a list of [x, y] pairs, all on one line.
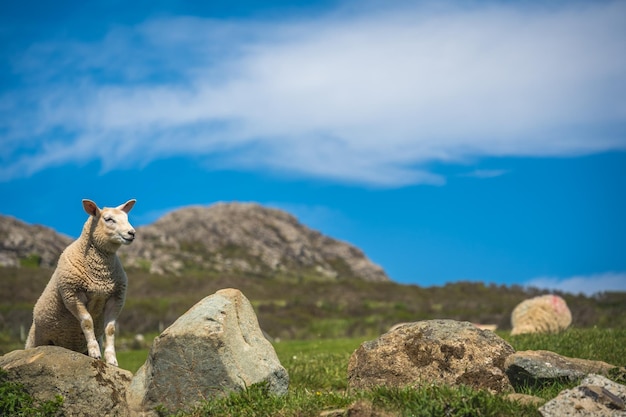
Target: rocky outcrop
{"points": [[445, 352], [36, 244], [540, 367], [237, 237], [543, 314], [596, 396], [89, 387], [215, 348], [244, 237]]}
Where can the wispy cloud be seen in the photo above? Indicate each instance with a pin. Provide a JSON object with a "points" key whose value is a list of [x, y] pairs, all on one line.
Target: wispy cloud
{"points": [[585, 284], [486, 173], [371, 97]]}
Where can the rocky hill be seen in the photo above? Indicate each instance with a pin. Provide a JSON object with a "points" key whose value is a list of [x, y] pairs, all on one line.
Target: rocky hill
{"points": [[23, 243], [244, 237], [233, 237]]}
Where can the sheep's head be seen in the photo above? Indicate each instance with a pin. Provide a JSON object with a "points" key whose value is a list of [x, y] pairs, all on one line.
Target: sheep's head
{"points": [[110, 226]]}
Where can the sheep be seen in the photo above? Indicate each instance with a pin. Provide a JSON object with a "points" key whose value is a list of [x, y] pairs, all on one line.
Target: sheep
{"points": [[87, 290], [543, 314]]}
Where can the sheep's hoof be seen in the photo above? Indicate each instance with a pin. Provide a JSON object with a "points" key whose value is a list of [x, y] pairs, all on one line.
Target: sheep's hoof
{"points": [[95, 355], [110, 357]]}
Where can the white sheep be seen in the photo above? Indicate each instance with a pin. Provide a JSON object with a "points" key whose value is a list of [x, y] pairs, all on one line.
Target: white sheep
{"points": [[542, 314], [88, 288]]}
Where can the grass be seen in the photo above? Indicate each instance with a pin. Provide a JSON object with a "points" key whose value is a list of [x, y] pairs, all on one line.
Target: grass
{"points": [[608, 345], [318, 382], [427, 402]]}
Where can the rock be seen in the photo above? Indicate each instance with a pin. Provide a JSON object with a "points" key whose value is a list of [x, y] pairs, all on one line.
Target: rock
{"points": [[482, 326], [543, 314], [596, 396], [432, 352], [541, 367], [397, 326], [525, 399], [213, 349], [88, 386], [21, 241], [244, 237], [360, 408]]}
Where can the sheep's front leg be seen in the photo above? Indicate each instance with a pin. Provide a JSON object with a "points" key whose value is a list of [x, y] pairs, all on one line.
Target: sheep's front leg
{"points": [[78, 307], [111, 311]]}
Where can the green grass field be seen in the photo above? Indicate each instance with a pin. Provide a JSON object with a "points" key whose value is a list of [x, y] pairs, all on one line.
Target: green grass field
{"points": [[318, 382], [320, 323]]}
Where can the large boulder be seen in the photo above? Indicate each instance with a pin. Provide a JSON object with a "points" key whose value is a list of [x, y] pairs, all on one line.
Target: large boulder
{"points": [[541, 367], [215, 348], [596, 396], [432, 352], [89, 387], [542, 314]]}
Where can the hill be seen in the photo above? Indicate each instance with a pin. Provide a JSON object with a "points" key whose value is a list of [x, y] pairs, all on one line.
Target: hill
{"points": [[302, 284], [234, 237], [21, 243]]}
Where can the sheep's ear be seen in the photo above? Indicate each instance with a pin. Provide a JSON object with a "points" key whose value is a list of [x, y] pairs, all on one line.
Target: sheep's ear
{"points": [[91, 208], [127, 205]]}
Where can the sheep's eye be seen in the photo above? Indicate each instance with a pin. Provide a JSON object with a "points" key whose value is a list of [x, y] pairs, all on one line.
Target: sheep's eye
{"points": [[109, 219]]}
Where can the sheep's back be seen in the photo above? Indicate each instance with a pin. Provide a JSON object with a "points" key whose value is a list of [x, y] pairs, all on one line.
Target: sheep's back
{"points": [[54, 323], [543, 314]]}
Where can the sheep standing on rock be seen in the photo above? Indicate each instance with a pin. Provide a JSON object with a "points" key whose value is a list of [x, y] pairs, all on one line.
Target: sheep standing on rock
{"points": [[87, 290], [543, 314]]}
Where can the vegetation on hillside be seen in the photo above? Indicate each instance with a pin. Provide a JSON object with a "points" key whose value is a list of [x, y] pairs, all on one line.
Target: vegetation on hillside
{"points": [[302, 307]]}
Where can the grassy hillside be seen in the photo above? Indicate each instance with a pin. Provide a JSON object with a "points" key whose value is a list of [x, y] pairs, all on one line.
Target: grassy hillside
{"points": [[300, 307]]}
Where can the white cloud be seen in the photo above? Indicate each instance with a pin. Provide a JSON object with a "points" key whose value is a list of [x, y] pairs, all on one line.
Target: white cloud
{"points": [[486, 173], [369, 98], [585, 284]]}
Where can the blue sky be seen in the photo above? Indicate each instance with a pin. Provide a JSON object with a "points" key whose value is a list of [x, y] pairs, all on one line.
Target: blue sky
{"points": [[481, 141]]}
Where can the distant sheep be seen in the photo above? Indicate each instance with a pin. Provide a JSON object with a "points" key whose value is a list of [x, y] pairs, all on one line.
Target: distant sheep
{"points": [[543, 314], [87, 290]]}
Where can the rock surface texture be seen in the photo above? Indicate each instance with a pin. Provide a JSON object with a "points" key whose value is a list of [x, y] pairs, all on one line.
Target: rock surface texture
{"points": [[541, 367], [89, 387], [543, 314], [244, 237], [19, 240], [215, 348], [596, 396], [432, 352]]}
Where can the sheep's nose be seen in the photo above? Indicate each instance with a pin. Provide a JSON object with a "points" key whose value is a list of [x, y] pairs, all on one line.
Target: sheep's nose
{"points": [[132, 232]]}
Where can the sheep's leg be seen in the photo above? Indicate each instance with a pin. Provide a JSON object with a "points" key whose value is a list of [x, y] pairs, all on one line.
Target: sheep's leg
{"points": [[109, 343], [30, 340], [78, 307], [111, 311]]}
